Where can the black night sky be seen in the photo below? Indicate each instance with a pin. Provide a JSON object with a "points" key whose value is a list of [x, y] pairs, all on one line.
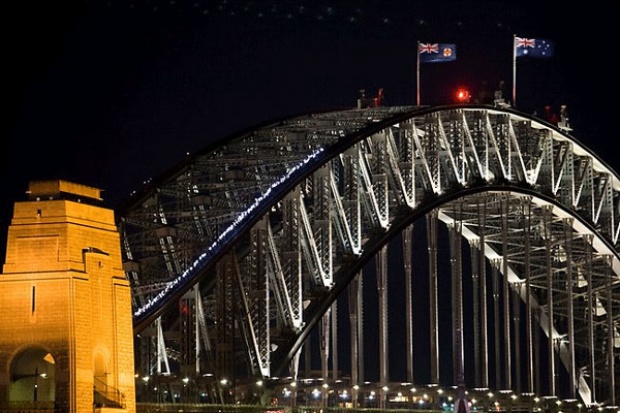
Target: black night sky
{"points": [[110, 93]]}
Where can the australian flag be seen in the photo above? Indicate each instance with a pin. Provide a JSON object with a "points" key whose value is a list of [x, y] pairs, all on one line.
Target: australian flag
{"points": [[436, 52], [533, 47]]}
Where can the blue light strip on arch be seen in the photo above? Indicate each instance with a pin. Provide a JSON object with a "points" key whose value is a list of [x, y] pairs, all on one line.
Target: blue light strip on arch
{"points": [[242, 219]]}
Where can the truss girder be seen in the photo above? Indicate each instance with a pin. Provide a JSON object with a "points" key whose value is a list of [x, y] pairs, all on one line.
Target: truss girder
{"points": [[256, 287], [288, 243], [346, 208], [551, 236], [275, 221]]}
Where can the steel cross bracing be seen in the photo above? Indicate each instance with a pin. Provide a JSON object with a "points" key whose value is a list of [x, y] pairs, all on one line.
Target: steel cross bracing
{"points": [[241, 251]]}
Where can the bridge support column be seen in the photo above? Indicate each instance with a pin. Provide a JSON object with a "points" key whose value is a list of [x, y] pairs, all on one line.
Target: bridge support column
{"points": [[407, 236], [591, 309], [568, 242], [431, 228], [547, 216], [324, 337], [526, 206], [505, 206], [483, 317], [355, 314], [382, 289], [457, 302], [496, 322], [334, 341], [611, 363]]}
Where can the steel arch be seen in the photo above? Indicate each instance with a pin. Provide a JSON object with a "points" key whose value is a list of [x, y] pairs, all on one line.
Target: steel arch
{"points": [[279, 219]]}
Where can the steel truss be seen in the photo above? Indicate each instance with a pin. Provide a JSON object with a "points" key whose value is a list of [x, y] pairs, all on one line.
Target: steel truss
{"points": [[240, 254]]}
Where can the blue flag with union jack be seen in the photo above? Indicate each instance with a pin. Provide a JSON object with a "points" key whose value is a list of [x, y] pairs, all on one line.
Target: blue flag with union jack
{"points": [[436, 52], [533, 47]]}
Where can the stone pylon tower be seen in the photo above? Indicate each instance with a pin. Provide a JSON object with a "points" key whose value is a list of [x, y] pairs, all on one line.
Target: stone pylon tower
{"points": [[66, 333]]}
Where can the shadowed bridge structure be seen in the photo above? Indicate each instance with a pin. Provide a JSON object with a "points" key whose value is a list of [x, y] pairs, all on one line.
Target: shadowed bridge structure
{"points": [[380, 257]]}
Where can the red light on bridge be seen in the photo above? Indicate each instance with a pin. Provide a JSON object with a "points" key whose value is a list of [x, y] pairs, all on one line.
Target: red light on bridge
{"points": [[463, 95]]}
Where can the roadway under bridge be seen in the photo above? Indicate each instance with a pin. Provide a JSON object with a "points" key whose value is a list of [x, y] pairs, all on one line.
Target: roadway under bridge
{"points": [[380, 257]]}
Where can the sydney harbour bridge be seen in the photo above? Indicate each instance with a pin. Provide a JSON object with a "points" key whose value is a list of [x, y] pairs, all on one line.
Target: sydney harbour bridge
{"points": [[380, 257]]}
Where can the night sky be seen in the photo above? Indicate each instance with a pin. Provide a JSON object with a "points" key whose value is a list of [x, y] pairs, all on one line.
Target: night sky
{"points": [[110, 93]]}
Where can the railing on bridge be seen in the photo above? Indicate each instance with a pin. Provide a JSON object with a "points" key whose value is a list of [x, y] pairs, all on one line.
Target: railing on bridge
{"points": [[107, 396], [223, 408], [379, 399], [547, 406]]}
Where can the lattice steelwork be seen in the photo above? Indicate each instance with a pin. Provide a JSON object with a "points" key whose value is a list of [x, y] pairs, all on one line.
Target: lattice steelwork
{"points": [[238, 255]]}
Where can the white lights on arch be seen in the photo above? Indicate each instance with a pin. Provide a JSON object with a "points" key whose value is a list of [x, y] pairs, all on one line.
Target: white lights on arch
{"points": [[240, 220]]}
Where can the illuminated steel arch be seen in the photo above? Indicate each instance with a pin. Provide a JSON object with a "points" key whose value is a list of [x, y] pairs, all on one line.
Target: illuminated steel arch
{"points": [[243, 249]]}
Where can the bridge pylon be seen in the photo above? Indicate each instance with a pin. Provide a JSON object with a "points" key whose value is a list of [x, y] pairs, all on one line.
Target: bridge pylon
{"points": [[66, 335]]}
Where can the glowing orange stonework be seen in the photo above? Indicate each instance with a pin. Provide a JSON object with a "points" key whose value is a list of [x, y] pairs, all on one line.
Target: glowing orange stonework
{"points": [[66, 333]]}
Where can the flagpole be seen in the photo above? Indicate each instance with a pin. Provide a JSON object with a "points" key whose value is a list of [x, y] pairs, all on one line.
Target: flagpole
{"points": [[417, 51], [514, 71]]}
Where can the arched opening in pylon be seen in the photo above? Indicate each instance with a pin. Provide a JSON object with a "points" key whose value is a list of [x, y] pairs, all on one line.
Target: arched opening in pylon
{"points": [[33, 373]]}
